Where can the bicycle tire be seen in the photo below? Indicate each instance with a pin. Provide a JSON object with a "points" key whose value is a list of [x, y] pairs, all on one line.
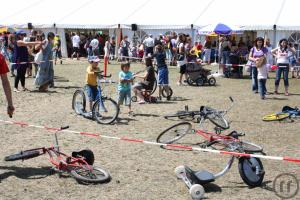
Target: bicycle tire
{"points": [[251, 171], [218, 120], [154, 87], [80, 105], [275, 117], [23, 155], [106, 114], [248, 147], [175, 137], [164, 92], [84, 174]]}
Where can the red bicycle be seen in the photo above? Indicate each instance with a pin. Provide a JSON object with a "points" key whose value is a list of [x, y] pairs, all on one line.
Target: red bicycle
{"points": [[79, 165]]}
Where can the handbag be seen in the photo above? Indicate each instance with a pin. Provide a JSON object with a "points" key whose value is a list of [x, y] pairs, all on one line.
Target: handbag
{"points": [[38, 57]]}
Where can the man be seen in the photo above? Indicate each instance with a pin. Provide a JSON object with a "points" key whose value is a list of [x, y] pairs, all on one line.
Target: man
{"points": [[149, 45], [75, 42], [6, 86]]}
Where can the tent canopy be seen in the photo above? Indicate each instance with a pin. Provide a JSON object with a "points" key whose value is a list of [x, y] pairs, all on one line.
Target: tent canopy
{"points": [[254, 14]]}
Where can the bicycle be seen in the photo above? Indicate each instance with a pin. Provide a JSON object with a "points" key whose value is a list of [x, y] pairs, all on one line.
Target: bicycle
{"points": [[250, 168], [286, 113], [105, 110], [79, 165], [147, 93], [215, 116]]}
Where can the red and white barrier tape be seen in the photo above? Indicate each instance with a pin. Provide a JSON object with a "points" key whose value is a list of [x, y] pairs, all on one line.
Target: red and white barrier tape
{"points": [[175, 146]]}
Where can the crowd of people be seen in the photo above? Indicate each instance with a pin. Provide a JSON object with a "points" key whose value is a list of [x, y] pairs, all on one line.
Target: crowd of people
{"points": [[27, 51], [36, 50]]}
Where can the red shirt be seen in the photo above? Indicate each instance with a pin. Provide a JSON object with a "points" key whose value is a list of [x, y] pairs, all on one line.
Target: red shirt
{"points": [[3, 66]]}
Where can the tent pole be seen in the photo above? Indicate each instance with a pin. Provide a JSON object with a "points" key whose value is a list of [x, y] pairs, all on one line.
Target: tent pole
{"points": [[274, 35]]}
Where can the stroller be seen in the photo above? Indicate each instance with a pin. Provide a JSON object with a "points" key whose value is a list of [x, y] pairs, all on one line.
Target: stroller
{"points": [[197, 75]]}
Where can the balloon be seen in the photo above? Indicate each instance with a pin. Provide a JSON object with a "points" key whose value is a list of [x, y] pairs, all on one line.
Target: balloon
{"points": [[274, 67]]}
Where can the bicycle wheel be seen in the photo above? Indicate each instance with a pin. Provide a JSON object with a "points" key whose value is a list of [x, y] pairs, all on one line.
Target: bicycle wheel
{"points": [[164, 92], [79, 102], [86, 175], [23, 155], [251, 171], [275, 117], [218, 120], [105, 110], [154, 87], [174, 133], [249, 147]]}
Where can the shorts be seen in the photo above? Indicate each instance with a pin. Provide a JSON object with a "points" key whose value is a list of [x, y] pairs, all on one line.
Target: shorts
{"points": [[92, 92], [163, 76], [124, 96], [75, 49], [139, 86], [149, 50], [182, 69]]}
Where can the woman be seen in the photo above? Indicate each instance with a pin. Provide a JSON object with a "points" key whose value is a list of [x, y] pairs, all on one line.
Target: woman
{"points": [[255, 54], [282, 54], [21, 58], [45, 75], [207, 50], [181, 58]]}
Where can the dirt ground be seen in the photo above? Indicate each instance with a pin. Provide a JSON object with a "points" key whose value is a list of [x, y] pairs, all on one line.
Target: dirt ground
{"points": [[141, 171]]}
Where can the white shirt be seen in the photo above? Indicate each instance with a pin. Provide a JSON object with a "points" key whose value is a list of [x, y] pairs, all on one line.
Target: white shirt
{"points": [[94, 44], [149, 42], [262, 72], [75, 40], [282, 56]]}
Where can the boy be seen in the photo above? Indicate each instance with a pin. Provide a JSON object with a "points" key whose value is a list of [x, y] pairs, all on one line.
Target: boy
{"points": [[92, 72], [124, 86]]}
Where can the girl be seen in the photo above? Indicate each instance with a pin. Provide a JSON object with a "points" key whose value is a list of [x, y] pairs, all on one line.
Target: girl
{"points": [[256, 53], [148, 80], [282, 55]]}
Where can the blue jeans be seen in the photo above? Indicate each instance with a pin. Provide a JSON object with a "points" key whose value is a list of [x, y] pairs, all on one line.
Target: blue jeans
{"points": [[225, 57], [254, 78], [285, 71], [262, 87]]}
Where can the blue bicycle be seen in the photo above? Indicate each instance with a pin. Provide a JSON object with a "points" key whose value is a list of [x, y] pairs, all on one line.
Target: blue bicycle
{"points": [[105, 110]]}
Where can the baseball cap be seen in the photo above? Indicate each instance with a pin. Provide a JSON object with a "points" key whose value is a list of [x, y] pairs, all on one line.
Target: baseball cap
{"points": [[93, 59], [20, 32]]}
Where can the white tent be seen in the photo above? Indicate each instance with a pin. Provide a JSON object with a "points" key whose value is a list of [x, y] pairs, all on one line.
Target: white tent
{"points": [[155, 16]]}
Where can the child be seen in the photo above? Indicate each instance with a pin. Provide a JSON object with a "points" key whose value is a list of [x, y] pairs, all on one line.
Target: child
{"points": [[92, 72], [163, 73], [148, 80], [262, 75], [124, 86]]}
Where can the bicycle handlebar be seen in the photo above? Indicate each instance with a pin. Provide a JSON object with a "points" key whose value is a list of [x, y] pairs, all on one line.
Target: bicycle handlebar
{"points": [[64, 127]]}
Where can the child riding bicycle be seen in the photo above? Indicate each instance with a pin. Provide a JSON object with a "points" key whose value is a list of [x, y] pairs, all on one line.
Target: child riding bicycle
{"points": [[148, 80], [92, 72]]}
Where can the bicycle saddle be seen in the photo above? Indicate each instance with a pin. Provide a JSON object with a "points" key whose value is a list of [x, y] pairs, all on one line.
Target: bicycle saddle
{"points": [[87, 155], [290, 109], [200, 177]]}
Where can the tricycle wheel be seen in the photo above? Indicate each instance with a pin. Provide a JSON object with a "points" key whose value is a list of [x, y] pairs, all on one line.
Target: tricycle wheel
{"points": [[197, 191]]}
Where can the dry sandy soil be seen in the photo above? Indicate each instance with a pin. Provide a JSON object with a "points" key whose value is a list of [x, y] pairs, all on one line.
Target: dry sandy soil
{"points": [[141, 171]]}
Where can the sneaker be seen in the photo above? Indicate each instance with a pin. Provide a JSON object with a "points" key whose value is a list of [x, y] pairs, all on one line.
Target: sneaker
{"points": [[16, 90], [141, 102]]}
